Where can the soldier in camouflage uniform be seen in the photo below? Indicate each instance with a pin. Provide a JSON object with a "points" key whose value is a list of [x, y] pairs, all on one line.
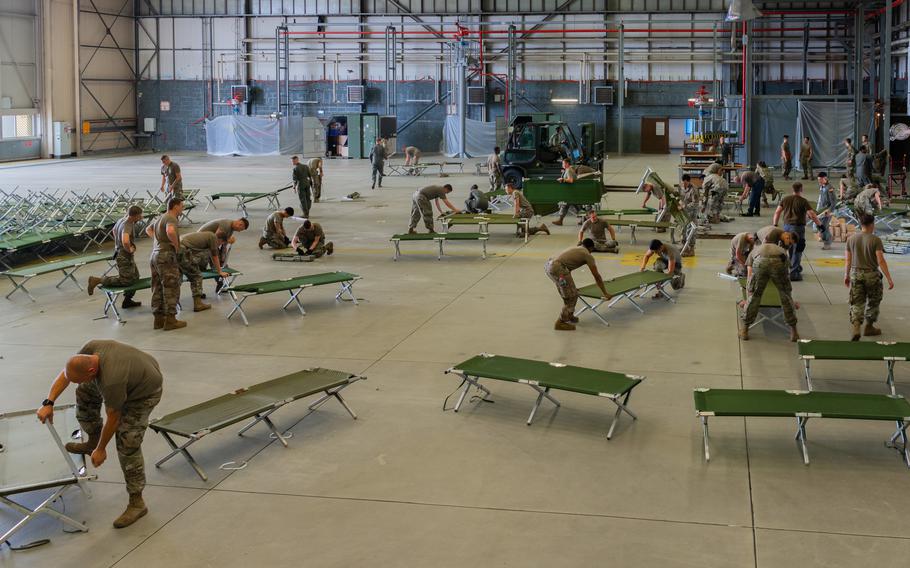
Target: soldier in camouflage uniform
{"points": [[669, 260], [494, 169], [559, 269], [868, 201], [768, 262], [166, 277], [851, 157], [128, 382], [316, 173], [524, 210], [671, 207], [766, 174], [198, 251], [422, 206], [865, 265], [273, 233], [171, 178], [124, 233], [302, 178], [715, 188], [848, 189]]}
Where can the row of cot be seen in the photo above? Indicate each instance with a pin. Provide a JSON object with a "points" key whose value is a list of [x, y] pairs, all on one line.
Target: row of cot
{"points": [[29, 462]]}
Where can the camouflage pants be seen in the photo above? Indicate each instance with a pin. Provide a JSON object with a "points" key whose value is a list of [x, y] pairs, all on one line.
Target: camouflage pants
{"points": [[134, 420], [495, 180], [776, 271], [864, 206], [377, 174], [274, 240], [420, 207], [678, 279], [192, 264], [866, 291], [805, 165], [317, 187], [787, 165], [318, 252], [565, 285], [606, 246], [736, 268], [303, 194], [175, 191], [527, 214], [127, 272], [716, 203], [165, 283]]}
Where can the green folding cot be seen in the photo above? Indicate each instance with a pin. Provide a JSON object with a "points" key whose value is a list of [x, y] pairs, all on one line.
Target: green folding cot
{"points": [[31, 460], [770, 300], [803, 405], [620, 213], [113, 292], [634, 224], [246, 197], [258, 402], [68, 266], [440, 239], [484, 221], [544, 377], [294, 286], [887, 351], [624, 287]]}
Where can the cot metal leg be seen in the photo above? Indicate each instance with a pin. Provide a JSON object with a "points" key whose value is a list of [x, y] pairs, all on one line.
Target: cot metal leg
{"points": [[441, 251], [660, 289], [110, 266], [704, 430], [593, 309], [335, 392], [541, 394], [468, 382], [347, 288], [630, 297], [891, 377], [633, 227], [620, 408], [238, 307], [337, 395], [45, 508], [273, 200], [808, 376], [801, 437], [68, 275], [264, 417], [294, 298], [483, 243], [397, 250], [111, 304], [182, 449], [526, 224], [211, 203], [20, 286]]}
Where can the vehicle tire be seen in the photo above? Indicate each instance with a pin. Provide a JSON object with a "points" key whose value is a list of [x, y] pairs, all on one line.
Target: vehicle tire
{"points": [[512, 175]]}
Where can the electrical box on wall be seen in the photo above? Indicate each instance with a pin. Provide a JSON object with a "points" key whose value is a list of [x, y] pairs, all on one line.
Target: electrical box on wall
{"points": [[603, 96], [149, 125], [356, 94]]}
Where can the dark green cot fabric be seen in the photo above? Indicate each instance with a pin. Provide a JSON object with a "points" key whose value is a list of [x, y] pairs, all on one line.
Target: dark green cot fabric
{"points": [[733, 402], [72, 262], [443, 236], [31, 239], [561, 377], [643, 211], [637, 223], [239, 405], [626, 283], [270, 286], [853, 350], [770, 298], [490, 219], [146, 283]]}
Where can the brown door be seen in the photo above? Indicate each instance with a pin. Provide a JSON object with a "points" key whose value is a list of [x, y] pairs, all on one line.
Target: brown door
{"points": [[655, 135]]}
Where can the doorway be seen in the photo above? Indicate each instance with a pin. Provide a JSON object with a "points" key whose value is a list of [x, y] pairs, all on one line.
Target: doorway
{"points": [[655, 135]]}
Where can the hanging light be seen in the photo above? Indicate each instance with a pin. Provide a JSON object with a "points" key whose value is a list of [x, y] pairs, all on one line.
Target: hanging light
{"points": [[742, 10]]}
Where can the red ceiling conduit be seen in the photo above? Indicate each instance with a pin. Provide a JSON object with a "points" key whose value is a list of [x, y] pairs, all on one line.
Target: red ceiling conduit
{"points": [[880, 11]]}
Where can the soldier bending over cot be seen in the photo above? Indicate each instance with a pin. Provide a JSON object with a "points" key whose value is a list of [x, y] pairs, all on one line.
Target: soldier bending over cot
{"points": [[559, 270], [197, 251], [128, 382], [668, 260], [768, 262], [740, 247], [124, 233], [420, 206], [523, 210], [273, 233]]}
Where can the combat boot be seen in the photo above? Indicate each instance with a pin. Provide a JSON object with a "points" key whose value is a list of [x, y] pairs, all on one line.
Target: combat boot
{"points": [[262, 242], [135, 510], [130, 303], [544, 229], [329, 248], [563, 326], [573, 319], [558, 222], [871, 329], [794, 335], [856, 332], [200, 306], [159, 321], [171, 322], [743, 331], [93, 282], [85, 448]]}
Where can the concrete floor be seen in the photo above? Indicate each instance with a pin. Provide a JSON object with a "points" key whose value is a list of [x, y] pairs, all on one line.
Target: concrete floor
{"points": [[410, 485]]}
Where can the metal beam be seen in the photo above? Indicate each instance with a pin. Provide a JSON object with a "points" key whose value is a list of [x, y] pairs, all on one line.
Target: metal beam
{"points": [[859, 24], [885, 73]]}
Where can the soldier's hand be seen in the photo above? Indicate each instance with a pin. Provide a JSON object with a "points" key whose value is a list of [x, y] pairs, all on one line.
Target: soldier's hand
{"points": [[890, 284], [98, 456], [847, 281], [46, 413], [224, 274]]}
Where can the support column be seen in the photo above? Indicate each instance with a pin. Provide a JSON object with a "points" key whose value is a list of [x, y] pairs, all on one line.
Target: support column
{"points": [[77, 84], [47, 83], [748, 88], [805, 62], [620, 90], [885, 70], [512, 83], [858, 24]]}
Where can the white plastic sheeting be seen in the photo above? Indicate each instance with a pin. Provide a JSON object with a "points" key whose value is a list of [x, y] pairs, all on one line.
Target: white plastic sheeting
{"points": [[242, 136], [480, 137], [827, 124]]}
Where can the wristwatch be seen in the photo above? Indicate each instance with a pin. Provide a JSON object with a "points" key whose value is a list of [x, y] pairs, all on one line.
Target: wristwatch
{"points": [[47, 402]]}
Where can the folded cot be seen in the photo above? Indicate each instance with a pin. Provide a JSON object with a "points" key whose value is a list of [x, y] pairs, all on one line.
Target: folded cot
{"points": [[544, 377], [887, 351], [31, 460], [803, 405], [624, 287], [68, 266], [257, 402], [294, 286], [440, 239], [113, 292]]}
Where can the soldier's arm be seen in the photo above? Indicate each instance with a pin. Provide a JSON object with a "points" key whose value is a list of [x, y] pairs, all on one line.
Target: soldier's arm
{"points": [[612, 232], [848, 264], [59, 385], [777, 214], [150, 230], [599, 280], [172, 235], [672, 268], [449, 205], [127, 241], [644, 261], [883, 264]]}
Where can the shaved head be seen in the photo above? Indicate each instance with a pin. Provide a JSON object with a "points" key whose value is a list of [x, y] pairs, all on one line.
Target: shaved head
{"points": [[81, 368]]}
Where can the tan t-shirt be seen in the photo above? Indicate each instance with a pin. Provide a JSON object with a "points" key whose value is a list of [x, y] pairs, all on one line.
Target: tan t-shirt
{"points": [[574, 257], [309, 235], [863, 247], [125, 374], [794, 209], [201, 241], [226, 226], [274, 223], [493, 162], [523, 204], [596, 228], [766, 250], [433, 192], [740, 244], [162, 242], [769, 234]]}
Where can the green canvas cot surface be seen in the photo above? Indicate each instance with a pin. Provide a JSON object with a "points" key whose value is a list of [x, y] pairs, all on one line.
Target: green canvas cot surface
{"points": [[736, 402]]}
